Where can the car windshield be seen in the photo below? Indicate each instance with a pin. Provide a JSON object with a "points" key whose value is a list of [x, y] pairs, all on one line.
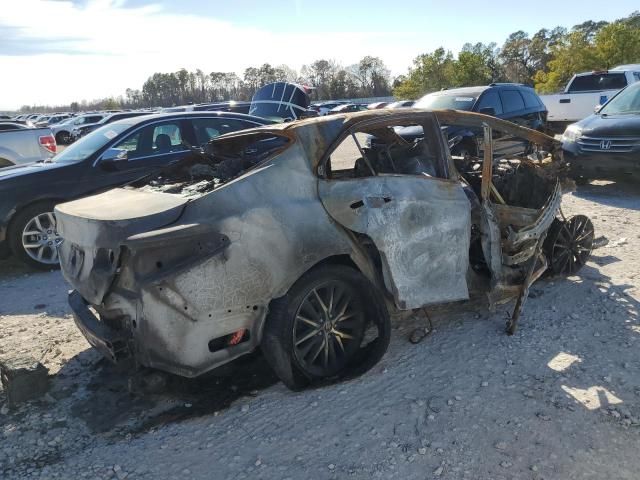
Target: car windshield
{"points": [[627, 101], [456, 101], [86, 146]]}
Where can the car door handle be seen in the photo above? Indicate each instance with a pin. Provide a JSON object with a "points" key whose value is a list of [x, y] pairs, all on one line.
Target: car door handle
{"points": [[371, 202], [565, 100]]}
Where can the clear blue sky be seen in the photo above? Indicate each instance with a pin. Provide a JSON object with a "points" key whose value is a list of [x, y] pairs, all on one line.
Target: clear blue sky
{"points": [[64, 50]]}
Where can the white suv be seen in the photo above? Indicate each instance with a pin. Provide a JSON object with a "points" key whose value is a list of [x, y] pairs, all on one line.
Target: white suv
{"points": [[62, 131]]}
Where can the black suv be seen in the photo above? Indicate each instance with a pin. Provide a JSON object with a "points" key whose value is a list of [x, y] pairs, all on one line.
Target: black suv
{"points": [[514, 102]]}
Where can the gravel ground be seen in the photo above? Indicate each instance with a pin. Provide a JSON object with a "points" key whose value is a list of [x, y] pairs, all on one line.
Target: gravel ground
{"points": [[559, 400]]}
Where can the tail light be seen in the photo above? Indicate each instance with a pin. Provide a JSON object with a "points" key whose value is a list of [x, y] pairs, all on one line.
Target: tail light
{"points": [[49, 142]]}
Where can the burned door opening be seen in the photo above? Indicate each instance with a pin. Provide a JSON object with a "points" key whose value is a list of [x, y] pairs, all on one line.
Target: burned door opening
{"points": [[399, 195]]}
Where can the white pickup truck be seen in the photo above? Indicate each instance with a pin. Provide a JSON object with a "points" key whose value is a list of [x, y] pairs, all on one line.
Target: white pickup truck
{"points": [[20, 145], [584, 92]]}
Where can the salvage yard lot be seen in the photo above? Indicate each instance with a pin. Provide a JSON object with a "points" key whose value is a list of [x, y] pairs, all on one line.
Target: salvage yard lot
{"points": [[559, 400]]}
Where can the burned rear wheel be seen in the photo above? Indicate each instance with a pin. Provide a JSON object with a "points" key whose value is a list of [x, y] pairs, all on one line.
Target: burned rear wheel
{"points": [[569, 244], [330, 324], [328, 328]]}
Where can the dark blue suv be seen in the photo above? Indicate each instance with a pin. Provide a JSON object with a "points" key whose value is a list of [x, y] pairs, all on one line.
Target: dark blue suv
{"points": [[514, 102]]}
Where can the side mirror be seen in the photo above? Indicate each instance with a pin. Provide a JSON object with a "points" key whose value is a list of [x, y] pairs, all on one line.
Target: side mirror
{"points": [[488, 111], [113, 158], [597, 108]]}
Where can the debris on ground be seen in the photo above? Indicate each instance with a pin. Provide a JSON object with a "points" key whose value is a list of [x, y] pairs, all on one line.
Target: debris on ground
{"points": [[23, 379]]}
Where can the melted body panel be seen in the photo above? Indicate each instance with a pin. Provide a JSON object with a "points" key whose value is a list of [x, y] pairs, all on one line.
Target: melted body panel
{"points": [[421, 227]]}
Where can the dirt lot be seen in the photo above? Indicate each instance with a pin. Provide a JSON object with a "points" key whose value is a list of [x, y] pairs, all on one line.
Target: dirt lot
{"points": [[559, 400]]}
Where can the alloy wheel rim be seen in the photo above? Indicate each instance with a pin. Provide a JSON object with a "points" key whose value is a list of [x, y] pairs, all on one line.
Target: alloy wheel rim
{"points": [[328, 328], [40, 238], [572, 245]]}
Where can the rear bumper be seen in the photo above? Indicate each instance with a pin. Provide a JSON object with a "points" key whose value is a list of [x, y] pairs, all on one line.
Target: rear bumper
{"points": [[108, 341]]}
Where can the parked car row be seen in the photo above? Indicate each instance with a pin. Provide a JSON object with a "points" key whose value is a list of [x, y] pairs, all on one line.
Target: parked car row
{"points": [[62, 124], [343, 106]]}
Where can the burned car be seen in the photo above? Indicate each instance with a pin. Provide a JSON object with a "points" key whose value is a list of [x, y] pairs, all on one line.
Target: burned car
{"points": [[297, 239]]}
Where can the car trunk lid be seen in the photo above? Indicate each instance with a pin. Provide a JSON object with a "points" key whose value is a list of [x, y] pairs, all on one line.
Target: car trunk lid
{"points": [[94, 229]]}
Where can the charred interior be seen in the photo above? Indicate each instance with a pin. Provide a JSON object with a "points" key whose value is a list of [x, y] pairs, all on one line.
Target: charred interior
{"points": [[214, 165]]}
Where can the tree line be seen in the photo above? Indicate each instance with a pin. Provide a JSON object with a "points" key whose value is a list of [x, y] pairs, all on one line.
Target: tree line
{"points": [[367, 78], [545, 60]]}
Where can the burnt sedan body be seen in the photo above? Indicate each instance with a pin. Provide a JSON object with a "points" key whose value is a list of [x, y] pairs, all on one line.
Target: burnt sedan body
{"points": [[297, 239]]}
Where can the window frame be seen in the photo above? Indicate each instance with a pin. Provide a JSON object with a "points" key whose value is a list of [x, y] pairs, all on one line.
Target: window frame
{"points": [[534, 97], [182, 125], [446, 166], [485, 94], [504, 103]]}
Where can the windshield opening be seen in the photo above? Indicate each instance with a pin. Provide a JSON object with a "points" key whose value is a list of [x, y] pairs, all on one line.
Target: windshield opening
{"points": [[627, 101], [86, 146], [455, 101]]}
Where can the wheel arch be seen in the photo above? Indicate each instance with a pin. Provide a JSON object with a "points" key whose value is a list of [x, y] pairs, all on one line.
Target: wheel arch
{"points": [[17, 210], [277, 353], [59, 135], [364, 261]]}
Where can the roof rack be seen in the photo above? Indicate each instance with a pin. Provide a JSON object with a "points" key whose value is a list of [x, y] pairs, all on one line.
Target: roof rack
{"points": [[504, 84]]}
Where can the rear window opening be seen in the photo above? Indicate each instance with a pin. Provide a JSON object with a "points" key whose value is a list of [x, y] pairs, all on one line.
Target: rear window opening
{"points": [[216, 164], [601, 81], [397, 149]]}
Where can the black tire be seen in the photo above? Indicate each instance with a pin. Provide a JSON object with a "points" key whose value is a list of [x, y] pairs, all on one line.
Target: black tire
{"points": [[63, 138], [283, 339], [568, 245], [15, 235]]}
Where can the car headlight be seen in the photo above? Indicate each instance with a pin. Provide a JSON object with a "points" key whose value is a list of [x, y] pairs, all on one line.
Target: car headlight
{"points": [[572, 133]]}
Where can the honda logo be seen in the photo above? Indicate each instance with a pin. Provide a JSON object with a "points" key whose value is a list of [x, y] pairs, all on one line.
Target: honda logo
{"points": [[605, 144]]}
